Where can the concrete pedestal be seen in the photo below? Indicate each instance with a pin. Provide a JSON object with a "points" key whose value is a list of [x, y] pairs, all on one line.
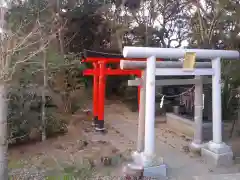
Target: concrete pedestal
{"points": [[218, 154], [196, 147], [156, 172], [152, 166]]}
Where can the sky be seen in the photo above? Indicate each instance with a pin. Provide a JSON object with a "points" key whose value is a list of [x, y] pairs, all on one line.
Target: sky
{"points": [[3, 3]]}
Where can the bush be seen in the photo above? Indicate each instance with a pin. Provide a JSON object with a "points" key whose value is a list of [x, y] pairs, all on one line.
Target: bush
{"points": [[24, 115]]}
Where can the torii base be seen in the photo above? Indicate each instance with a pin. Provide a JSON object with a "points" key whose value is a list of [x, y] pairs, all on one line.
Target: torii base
{"points": [[153, 167], [100, 126], [196, 147], [218, 154], [139, 173]]}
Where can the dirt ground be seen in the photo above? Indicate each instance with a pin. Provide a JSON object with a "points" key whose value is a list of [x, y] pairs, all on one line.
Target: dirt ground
{"points": [[85, 153], [72, 153]]}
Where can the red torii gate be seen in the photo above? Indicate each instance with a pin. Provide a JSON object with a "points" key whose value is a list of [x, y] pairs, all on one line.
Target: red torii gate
{"points": [[99, 73]]}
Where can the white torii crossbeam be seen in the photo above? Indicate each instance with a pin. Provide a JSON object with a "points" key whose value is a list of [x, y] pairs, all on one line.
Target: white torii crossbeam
{"points": [[177, 53], [216, 150]]}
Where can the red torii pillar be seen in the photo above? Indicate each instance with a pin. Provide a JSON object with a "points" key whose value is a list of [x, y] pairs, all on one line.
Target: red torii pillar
{"points": [[101, 96], [95, 94]]}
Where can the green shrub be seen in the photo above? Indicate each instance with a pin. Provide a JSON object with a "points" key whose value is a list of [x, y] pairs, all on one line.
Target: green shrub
{"points": [[24, 115]]}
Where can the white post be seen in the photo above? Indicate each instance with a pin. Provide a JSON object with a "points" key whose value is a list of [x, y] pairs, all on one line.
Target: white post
{"points": [[196, 145], [216, 102], [150, 107], [217, 151], [141, 117]]}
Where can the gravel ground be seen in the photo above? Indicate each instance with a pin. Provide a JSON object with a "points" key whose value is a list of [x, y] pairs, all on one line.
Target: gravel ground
{"points": [[32, 173]]}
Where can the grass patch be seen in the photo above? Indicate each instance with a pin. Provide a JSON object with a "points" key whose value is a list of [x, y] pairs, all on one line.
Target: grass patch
{"points": [[48, 163], [15, 164], [81, 171]]}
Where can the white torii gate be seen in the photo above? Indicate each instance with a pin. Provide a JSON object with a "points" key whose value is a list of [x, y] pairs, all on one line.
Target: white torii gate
{"points": [[215, 150]]}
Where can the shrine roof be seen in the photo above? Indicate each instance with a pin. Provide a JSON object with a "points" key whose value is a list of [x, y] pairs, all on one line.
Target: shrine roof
{"points": [[104, 54]]}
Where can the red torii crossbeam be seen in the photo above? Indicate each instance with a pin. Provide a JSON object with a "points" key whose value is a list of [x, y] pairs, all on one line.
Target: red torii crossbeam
{"points": [[99, 73]]}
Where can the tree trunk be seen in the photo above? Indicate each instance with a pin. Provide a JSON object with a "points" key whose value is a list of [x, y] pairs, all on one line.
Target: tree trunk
{"points": [[44, 95], [3, 132], [3, 111], [61, 43]]}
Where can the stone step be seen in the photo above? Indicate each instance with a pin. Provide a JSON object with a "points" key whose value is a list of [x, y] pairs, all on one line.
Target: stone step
{"points": [[219, 177]]}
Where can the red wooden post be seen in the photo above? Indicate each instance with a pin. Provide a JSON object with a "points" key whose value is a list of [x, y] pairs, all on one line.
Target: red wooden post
{"points": [[101, 96], [95, 94]]}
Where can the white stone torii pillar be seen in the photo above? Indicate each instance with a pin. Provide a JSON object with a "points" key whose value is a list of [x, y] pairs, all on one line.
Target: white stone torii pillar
{"points": [[197, 142], [149, 147], [141, 116], [216, 150]]}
